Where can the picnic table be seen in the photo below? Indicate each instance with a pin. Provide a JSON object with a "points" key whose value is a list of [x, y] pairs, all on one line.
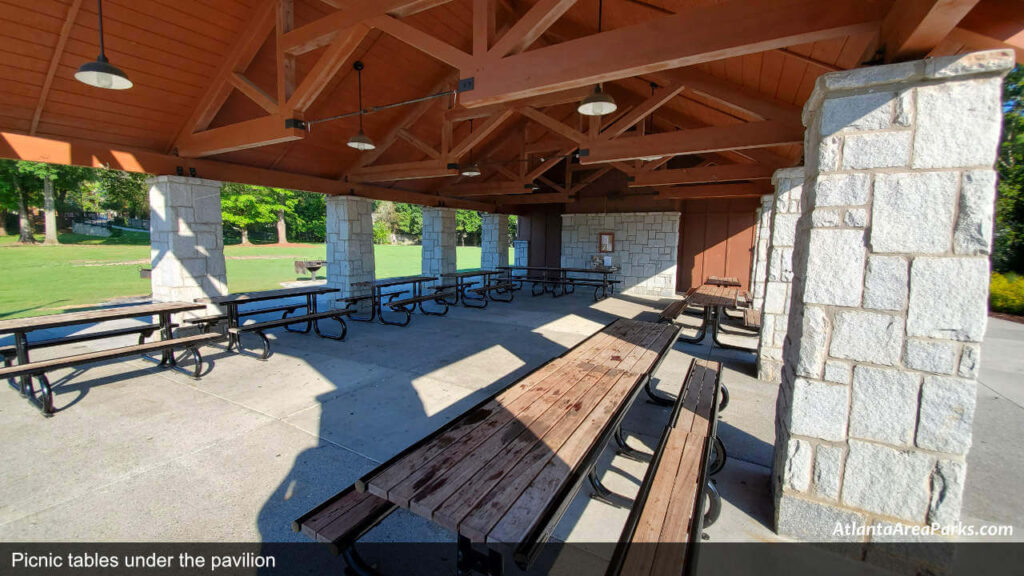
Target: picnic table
{"points": [[232, 302], [723, 281], [376, 296], [503, 474], [556, 280], [21, 327], [462, 285], [714, 300]]}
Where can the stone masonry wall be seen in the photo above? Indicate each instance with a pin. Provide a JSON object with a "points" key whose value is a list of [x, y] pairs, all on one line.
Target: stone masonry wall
{"points": [[520, 253], [763, 234], [349, 243], [493, 240], [186, 239], [890, 291], [645, 248], [789, 183], [438, 241]]}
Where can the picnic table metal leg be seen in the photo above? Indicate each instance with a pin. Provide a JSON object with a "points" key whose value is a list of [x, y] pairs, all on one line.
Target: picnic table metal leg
{"points": [[21, 350], [702, 331], [310, 309], [234, 340], [468, 560], [45, 395], [628, 451], [167, 358], [719, 312], [356, 564], [720, 457]]}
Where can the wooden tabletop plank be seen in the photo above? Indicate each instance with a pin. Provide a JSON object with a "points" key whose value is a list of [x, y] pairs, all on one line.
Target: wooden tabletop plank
{"points": [[90, 316], [470, 273], [262, 295], [491, 416], [480, 516], [569, 409], [516, 525]]}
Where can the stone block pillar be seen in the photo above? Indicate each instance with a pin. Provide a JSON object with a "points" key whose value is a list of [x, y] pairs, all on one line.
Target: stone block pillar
{"points": [[890, 292], [789, 183], [349, 243], [763, 234], [521, 253], [186, 239], [438, 241], [494, 240]]}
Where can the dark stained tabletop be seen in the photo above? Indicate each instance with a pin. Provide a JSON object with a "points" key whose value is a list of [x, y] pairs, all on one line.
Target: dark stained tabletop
{"points": [[471, 273], [397, 281], [708, 295], [243, 297], [601, 270], [90, 316], [723, 281]]}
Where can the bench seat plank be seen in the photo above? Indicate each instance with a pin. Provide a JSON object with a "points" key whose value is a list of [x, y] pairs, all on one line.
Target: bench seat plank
{"points": [[417, 299], [342, 515], [288, 321], [752, 318], [90, 357]]}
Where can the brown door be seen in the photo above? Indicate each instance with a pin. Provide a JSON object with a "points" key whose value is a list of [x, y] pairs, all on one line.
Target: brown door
{"points": [[716, 238]]}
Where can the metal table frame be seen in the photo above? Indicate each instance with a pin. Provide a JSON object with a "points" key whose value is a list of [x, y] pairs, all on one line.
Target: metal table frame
{"points": [[377, 297], [233, 301]]}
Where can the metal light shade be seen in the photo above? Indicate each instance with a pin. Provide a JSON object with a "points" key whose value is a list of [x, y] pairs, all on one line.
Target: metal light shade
{"points": [[102, 74], [597, 104], [361, 142], [472, 169], [650, 158]]}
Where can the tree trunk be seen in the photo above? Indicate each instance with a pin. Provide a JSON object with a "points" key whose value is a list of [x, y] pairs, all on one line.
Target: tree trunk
{"points": [[24, 223], [50, 213], [245, 236], [282, 229], [3, 222]]}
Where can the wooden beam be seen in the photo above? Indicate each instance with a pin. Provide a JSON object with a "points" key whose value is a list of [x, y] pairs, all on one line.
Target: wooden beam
{"points": [[704, 175], [549, 163], [695, 141], [423, 42], [698, 35], [460, 114], [590, 179], [241, 54], [326, 67], [322, 32], [478, 135], [527, 29], [809, 60], [555, 125], [483, 26], [913, 28], [549, 182], [974, 41], [415, 112], [379, 192], [58, 52], [740, 101], [254, 92], [486, 189], [713, 191], [285, 61], [995, 24], [403, 171], [643, 110], [239, 136], [542, 198], [419, 144]]}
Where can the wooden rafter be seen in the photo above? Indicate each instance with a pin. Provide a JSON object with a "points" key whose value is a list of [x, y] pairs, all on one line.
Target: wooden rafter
{"points": [[590, 179], [339, 51], [254, 92], [703, 175], [322, 32], [554, 125], [994, 24], [913, 28], [419, 144], [412, 116], [527, 29], [422, 41], [239, 136], [697, 35], [58, 51], [549, 163], [285, 61], [484, 24], [643, 110], [402, 171], [542, 198], [478, 135], [491, 188]]}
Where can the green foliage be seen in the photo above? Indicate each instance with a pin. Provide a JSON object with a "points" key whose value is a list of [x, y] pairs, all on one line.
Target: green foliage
{"points": [[467, 226], [243, 205], [513, 227], [381, 232], [408, 219], [307, 219], [123, 192], [1007, 294], [1008, 252]]}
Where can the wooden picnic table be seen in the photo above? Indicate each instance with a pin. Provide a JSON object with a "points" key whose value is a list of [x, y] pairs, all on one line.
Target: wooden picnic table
{"points": [[723, 281], [504, 473], [20, 327], [233, 301], [714, 300], [561, 278], [376, 288], [461, 278]]}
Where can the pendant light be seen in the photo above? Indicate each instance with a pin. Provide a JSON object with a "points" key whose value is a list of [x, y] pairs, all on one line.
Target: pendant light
{"points": [[360, 141], [101, 73], [598, 103], [472, 169], [651, 117]]}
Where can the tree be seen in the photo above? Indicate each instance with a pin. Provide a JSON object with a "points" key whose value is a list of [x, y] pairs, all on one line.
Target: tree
{"points": [[1008, 252], [467, 224], [124, 192], [243, 206], [307, 220], [19, 189], [53, 176], [513, 227], [409, 219]]}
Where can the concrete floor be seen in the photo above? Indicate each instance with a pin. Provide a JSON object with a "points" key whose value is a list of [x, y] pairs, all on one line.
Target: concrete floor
{"points": [[139, 454]]}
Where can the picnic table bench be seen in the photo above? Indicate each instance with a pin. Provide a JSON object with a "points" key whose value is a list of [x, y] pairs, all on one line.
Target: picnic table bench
{"points": [[666, 522], [714, 300], [395, 302], [557, 282], [480, 294], [26, 369], [502, 474], [233, 316]]}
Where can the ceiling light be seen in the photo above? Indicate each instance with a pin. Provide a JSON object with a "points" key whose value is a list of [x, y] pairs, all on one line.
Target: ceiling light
{"points": [[472, 169], [650, 158], [101, 73], [360, 141], [598, 103]]}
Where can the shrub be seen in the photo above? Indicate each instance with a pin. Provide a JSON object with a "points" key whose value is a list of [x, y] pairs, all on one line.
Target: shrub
{"points": [[1007, 294]]}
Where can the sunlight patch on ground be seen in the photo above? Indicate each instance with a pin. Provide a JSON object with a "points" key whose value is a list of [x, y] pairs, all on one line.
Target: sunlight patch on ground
{"points": [[565, 330]]}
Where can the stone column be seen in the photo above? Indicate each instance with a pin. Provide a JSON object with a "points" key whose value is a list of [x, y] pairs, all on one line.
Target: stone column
{"points": [[494, 240], [760, 267], [520, 253], [890, 292], [438, 241], [349, 244], [789, 183], [186, 239]]}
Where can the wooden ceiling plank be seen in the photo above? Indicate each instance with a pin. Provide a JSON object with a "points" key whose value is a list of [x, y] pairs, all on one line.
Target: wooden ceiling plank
{"points": [[695, 141], [713, 191], [527, 29], [322, 32], [426, 43], [326, 67], [913, 28], [691, 37], [703, 175], [823, 65], [254, 92], [961, 37], [58, 51], [746, 103]]}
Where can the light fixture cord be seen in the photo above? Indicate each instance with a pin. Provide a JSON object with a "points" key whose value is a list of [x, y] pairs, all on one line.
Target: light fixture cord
{"points": [[600, 13], [99, 10], [359, 81], [470, 133]]}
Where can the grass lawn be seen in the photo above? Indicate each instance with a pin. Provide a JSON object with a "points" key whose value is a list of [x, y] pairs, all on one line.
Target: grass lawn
{"points": [[85, 270]]}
